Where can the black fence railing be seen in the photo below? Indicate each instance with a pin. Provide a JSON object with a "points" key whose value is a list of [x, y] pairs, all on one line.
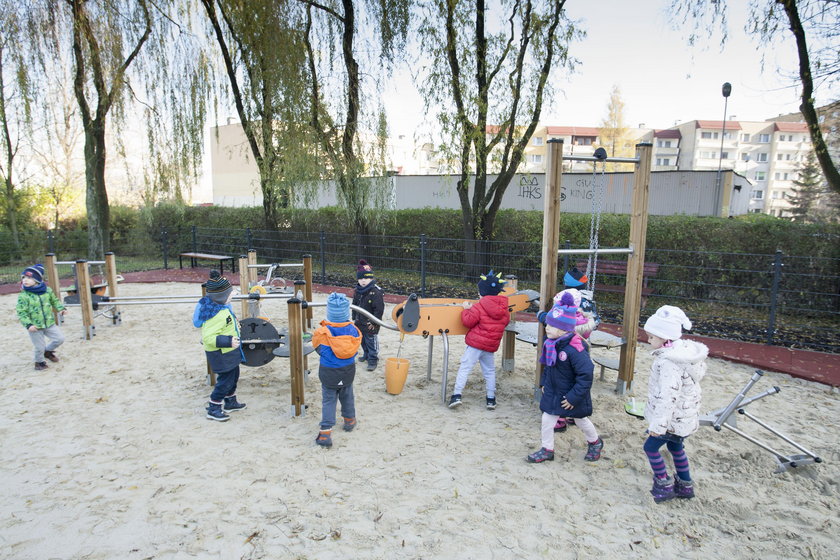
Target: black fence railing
{"points": [[777, 299]]}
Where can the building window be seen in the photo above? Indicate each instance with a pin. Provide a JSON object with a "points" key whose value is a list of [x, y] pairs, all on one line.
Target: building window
{"points": [[780, 157], [745, 157], [762, 157], [708, 135], [708, 155], [663, 143], [538, 141], [745, 138], [758, 195], [764, 138], [787, 157], [663, 161], [724, 155], [583, 140], [774, 195], [760, 175], [755, 210], [535, 158]]}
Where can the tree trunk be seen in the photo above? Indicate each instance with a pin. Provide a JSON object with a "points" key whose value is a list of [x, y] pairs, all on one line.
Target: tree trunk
{"points": [[96, 199]]}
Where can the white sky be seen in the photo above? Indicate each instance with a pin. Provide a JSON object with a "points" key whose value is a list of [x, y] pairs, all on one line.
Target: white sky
{"points": [[662, 80]]}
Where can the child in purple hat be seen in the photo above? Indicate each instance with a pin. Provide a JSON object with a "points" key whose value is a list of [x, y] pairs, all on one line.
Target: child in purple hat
{"points": [[565, 382]]}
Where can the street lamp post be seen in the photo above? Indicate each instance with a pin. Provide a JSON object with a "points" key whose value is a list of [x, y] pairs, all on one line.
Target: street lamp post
{"points": [[726, 90]]}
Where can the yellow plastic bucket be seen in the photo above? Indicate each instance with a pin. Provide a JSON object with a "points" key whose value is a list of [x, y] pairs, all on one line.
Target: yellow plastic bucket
{"points": [[396, 372]]}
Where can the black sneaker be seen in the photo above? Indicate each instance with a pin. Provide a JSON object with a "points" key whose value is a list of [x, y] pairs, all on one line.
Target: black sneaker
{"points": [[215, 412], [40, 365], [362, 358], [371, 366], [454, 401], [491, 403], [232, 404]]}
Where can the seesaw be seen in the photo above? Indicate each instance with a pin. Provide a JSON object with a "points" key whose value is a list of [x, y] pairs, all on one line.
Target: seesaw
{"points": [[430, 317]]}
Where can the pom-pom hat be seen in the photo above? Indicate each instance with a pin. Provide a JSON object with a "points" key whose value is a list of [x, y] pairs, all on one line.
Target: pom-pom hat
{"points": [[563, 315], [338, 308], [218, 288], [667, 323], [364, 270], [491, 284]]}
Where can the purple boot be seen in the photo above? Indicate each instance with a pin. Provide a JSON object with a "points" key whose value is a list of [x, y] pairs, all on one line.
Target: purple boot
{"points": [[663, 489], [683, 488]]}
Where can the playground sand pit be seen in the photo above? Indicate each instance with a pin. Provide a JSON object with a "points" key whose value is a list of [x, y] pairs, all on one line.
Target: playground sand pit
{"points": [[108, 454]]}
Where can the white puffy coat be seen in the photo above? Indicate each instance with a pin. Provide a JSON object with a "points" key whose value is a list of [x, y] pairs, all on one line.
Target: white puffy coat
{"points": [[674, 388]]}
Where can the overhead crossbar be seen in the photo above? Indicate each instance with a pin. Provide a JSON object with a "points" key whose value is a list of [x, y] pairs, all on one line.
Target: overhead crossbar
{"points": [[615, 251], [608, 160]]}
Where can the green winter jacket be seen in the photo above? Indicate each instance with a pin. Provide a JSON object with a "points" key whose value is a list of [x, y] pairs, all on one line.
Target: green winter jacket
{"points": [[37, 309]]}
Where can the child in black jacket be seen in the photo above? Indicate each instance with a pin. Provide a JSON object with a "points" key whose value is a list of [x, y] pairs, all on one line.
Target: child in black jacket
{"points": [[369, 297]]}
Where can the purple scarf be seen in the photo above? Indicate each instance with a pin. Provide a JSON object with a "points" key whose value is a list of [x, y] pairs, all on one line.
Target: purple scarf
{"points": [[549, 354]]}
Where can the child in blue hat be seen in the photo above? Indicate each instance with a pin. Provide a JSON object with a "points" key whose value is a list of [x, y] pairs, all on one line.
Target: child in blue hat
{"points": [[35, 305]]}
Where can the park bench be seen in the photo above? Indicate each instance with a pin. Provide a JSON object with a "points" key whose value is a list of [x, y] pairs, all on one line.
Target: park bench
{"points": [[194, 257], [619, 268]]}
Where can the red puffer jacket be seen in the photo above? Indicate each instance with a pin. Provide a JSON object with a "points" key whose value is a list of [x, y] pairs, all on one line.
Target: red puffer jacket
{"points": [[486, 320]]}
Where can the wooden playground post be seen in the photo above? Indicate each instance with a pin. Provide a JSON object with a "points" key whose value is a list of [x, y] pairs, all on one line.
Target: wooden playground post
{"points": [[85, 299], [244, 287], [211, 375], [635, 266], [253, 273], [111, 275], [509, 338], [295, 342], [307, 276], [301, 287], [52, 279], [550, 241]]}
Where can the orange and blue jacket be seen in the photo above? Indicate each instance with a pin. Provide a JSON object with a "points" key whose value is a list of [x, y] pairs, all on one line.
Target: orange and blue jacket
{"points": [[338, 342]]}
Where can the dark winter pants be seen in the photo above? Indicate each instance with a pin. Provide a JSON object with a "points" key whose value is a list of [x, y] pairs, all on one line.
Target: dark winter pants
{"points": [[328, 400], [370, 348], [225, 384]]}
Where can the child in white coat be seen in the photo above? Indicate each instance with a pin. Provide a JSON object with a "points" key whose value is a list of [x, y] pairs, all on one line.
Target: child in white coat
{"points": [[673, 406]]}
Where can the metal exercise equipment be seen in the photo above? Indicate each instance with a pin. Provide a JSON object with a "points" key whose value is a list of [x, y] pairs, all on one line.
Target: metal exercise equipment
{"points": [[723, 418]]}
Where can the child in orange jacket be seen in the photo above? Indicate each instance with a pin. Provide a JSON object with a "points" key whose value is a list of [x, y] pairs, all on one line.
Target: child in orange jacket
{"points": [[337, 341]]}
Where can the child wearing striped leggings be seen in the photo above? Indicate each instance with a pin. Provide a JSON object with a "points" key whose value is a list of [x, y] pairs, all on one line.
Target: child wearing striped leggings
{"points": [[673, 406]]}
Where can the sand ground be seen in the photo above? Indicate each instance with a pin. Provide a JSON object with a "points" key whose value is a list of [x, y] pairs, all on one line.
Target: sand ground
{"points": [[108, 455]]}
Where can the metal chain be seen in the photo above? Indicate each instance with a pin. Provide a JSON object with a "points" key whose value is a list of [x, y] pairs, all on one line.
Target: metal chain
{"points": [[595, 224]]}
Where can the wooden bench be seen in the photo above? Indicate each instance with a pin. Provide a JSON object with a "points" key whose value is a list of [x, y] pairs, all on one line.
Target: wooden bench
{"points": [[606, 362], [209, 257], [619, 268]]}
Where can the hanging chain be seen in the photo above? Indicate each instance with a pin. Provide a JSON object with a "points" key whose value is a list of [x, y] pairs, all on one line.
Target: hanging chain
{"points": [[595, 224]]}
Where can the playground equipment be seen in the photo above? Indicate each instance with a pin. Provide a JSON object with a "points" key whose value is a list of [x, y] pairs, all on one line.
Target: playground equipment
{"points": [[430, 317], [635, 251], [723, 418]]}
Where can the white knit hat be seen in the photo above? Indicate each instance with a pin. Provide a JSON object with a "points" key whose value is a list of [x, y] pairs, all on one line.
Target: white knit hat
{"points": [[667, 323]]}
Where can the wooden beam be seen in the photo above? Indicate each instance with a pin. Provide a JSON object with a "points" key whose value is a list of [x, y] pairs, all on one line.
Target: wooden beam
{"points": [[53, 281], [635, 266], [85, 299], [509, 338], [244, 285], [111, 275], [550, 241]]}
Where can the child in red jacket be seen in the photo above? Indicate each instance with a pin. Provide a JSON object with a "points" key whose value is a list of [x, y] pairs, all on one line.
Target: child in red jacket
{"points": [[486, 320]]}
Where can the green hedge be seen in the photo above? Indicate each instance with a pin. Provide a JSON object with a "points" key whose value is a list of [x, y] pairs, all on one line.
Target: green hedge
{"points": [[753, 233]]}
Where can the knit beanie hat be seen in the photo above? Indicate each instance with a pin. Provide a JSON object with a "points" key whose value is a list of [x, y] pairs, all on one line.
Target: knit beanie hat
{"points": [[667, 323], [491, 284], [563, 314], [574, 278], [218, 288], [338, 308], [576, 295], [35, 272], [364, 270]]}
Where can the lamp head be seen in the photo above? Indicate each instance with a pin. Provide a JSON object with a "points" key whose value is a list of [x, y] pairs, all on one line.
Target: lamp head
{"points": [[727, 89]]}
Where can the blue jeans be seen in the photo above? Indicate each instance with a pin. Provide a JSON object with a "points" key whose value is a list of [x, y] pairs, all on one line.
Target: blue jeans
{"points": [[225, 384], [328, 400], [370, 348]]}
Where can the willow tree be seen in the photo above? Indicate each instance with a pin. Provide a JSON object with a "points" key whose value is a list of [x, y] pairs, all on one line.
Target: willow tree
{"points": [[814, 25], [265, 64], [488, 83], [133, 63], [338, 84]]}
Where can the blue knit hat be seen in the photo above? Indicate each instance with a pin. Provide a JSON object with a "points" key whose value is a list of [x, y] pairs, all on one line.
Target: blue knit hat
{"points": [[491, 284], [35, 272], [338, 308]]}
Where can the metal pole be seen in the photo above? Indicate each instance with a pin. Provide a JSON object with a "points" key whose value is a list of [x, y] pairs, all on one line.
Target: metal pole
{"points": [[774, 296], [164, 239], [322, 238], [194, 241], [51, 242], [249, 239], [727, 89], [615, 251], [423, 264]]}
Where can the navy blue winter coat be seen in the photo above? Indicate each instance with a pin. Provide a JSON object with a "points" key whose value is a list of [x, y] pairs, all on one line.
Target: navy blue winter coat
{"points": [[570, 379]]}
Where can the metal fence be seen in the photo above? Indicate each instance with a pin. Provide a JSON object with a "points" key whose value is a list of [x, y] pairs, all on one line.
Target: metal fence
{"points": [[777, 299]]}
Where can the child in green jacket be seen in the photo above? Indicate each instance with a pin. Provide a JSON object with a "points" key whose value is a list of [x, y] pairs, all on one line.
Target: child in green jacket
{"points": [[220, 336], [35, 306]]}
